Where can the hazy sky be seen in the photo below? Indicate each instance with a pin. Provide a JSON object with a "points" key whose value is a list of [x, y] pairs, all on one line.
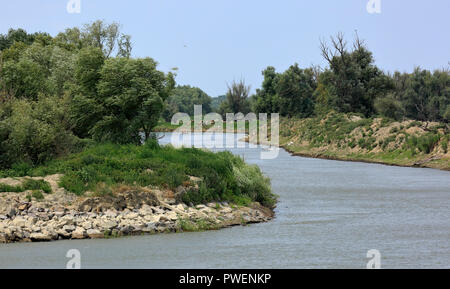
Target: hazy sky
{"points": [[213, 42]]}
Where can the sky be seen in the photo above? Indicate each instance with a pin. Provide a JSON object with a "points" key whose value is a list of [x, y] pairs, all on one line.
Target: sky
{"points": [[213, 42]]}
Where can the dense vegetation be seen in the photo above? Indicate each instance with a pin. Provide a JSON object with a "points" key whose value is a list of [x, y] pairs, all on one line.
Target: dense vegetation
{"points": [[352, 83], [183, 98], [78, 104], [57, 93], [349, 136], [103, 168]]}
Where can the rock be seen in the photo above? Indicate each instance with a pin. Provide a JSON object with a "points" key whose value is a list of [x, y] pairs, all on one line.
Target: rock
{"points": [[36, 228], [59, 214], [95, 234], [226, 210], [69, 228], [126, 230], [152, 218], [11, 212], [145, 210], [131, 216], [108, 225], [79, 233], [158, 210], [19, 222], [195, 179], [24, 206], [150, 228], [3, 238], [3, 217], [51, 233], [63, 233], [40, 237], [180, 207], [172, 216], [199, 207], [87, 225], [111, 214]]}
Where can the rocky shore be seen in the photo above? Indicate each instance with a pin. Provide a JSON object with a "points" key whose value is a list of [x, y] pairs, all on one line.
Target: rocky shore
{"points": [[130, 211]]}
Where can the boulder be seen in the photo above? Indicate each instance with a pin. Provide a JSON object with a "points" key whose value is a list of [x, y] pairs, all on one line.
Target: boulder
{"points": [[19, 222], [63, 233], [95, 234], [107, 225], [79, 233], [132, 215], [69, 228], [40, 237]]}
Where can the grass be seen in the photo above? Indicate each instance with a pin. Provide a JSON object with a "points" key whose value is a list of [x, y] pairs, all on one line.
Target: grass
{"points": [[198, 225], [102, 167], [28, 184], [342, 136]]}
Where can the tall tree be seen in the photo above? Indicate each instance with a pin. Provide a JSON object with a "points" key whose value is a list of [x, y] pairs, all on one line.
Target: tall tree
{"points": [[237, 98], [355, 80]]}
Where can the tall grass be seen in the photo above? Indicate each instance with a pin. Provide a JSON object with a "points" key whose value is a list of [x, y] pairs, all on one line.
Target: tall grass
{"points": [[225, 177]]}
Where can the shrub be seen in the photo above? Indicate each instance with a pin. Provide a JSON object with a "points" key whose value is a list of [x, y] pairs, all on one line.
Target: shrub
{"points": [[100, 168], [32, 132], [28, 184], [37, 195]]}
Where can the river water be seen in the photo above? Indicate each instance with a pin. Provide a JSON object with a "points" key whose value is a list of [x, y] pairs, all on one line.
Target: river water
{"points": [[330, 213]]}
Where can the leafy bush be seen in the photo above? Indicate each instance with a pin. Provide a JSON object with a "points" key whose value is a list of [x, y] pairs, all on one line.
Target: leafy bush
{"points": [[424, 143], [32, 132], [101, 167], [28, 184]]}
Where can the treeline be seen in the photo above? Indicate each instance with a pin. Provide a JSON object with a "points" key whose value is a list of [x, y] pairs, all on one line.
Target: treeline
{"points": [[58, 92], [350, 83], [183, 98]]}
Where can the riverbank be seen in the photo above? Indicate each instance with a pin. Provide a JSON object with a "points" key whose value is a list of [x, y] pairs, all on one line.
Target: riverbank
{"points": [[131, 211], [352, 138], [116, 190]]}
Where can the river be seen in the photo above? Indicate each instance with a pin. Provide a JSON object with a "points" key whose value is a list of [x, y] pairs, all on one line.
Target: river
{"points": [[330, 213]]}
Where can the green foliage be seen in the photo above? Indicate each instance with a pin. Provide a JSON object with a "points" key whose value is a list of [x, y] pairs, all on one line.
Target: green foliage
{"points": [[28, 184], [424, 95], [389, 107], [16, 36], [352, 83], [237, 99], [444, 143], [183, 98], [225, 176], [355, 82], [37, 195], [289, 93], [424, 143], [217, 101], [34, 131]]}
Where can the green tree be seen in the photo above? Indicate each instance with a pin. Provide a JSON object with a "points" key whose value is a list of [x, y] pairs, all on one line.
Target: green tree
{"points": [[355, 81], [266, 99], [129, 99], [295, 90], [34, 131], [183, 98], [389, 106], [237, 98]]}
